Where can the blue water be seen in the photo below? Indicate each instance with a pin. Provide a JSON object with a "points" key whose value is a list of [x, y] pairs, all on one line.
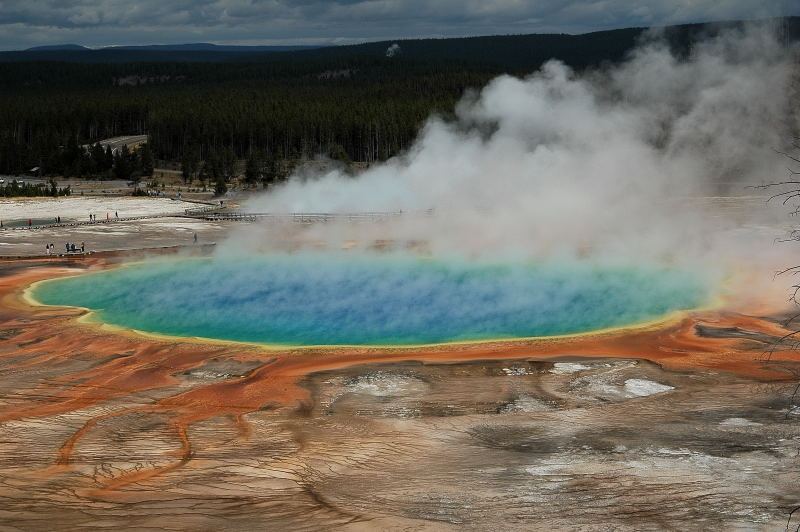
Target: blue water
{"points": [[341, 299]]}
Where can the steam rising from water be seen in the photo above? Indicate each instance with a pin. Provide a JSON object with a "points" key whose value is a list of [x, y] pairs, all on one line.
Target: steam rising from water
{"points": [[604, 165], [596, 192]]}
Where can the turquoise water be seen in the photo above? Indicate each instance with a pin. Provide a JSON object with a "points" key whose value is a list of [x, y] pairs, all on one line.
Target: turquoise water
{"points": [[337, 299]]}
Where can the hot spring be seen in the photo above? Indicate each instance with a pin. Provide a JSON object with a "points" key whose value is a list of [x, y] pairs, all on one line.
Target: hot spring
{"points": [[332, 299]]}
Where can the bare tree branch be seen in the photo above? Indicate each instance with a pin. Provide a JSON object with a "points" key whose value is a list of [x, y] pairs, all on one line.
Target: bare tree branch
{"points": [[795, 159]]}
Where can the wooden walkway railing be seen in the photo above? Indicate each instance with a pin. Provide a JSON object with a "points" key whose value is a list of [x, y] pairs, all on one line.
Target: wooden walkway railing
{"points": [[309, 217], [192, 212], [212, 213]]}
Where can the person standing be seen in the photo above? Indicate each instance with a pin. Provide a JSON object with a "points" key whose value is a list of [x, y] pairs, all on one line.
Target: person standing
{"points": [[83, 247], [47, 247], [195, 238]]}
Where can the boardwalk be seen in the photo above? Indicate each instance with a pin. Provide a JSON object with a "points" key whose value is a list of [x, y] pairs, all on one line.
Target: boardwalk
{"points": [[194, 212], [308, 217], [217, 213]]}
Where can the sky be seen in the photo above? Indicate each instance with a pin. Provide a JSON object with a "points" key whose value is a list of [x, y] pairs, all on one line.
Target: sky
{"points": [[96, 23]]}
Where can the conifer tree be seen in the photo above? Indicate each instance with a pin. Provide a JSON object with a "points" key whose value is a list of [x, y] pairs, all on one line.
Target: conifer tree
{"points": [[146, 160]]}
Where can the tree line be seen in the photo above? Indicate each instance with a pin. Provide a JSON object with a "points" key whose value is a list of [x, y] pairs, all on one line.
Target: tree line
{"points": [[363, 119], [272, 108], [22, 189]]}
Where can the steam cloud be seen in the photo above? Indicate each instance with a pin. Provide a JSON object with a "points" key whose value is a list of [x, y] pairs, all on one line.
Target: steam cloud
{"points": [[606, 164], [393, 50]]}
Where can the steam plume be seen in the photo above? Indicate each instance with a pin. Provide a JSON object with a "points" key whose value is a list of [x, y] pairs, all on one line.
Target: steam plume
{"points": [[604, 164]]}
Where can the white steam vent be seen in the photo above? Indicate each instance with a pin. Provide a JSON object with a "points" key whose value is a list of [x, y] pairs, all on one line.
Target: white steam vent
{"points": [[393, 50]]}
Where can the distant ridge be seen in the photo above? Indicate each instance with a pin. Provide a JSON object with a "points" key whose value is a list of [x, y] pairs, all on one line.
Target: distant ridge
{"points": [[208, 47], [58, 47], [186, 47], [500, 51]]}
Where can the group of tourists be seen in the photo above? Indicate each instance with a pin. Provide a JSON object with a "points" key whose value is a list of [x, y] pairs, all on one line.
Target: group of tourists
{"points": [[93, 217], [72, 247], [69, 247]]}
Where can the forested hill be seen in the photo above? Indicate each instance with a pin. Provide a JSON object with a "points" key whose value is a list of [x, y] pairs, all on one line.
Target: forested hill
{"points": [[354, 102], [506, 51], [509, 51]]}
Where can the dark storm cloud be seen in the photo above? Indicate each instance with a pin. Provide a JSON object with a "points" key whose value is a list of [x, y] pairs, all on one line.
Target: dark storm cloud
{"points": [[102, 22]]}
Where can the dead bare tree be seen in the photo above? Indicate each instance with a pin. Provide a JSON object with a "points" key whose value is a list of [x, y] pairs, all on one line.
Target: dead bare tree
{"points": [[788, 192]]}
